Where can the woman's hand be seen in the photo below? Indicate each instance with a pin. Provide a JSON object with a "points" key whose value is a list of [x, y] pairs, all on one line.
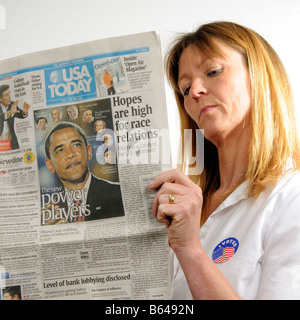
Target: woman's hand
{"points": [[182, 218]]}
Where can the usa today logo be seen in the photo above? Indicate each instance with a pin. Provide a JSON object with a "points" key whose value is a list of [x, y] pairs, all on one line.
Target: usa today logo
{"points": [[70, 83]]}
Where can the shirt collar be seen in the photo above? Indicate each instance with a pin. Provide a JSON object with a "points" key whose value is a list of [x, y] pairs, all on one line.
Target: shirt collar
{"points": [[86, 186], [88, 182], [240, 193]]}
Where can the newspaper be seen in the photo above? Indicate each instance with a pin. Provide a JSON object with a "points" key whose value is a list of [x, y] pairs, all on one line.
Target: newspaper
{"points": [[83, 129]]}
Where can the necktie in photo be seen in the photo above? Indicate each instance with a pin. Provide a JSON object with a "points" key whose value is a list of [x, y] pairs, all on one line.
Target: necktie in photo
{"points": [[78, 218]]}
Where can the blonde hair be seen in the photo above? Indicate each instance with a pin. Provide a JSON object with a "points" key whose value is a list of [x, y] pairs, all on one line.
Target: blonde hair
{"points": [[274, 137]]}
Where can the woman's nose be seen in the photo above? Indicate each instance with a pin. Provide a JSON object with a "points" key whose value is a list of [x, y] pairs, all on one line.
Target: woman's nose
{"points": [[198, 89]]}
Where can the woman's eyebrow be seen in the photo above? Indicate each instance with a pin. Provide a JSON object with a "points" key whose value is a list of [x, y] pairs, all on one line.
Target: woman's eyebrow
{"points": [[198, 66]]}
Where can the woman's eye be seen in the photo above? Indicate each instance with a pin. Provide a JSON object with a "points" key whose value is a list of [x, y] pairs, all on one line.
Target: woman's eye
{"points": [[186, 91], [214, 72]]}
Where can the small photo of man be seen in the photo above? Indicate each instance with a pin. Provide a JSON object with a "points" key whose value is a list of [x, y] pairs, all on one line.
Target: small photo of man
{"points": [[9, 111], [72, 112], [55, 114], [88, 116]]}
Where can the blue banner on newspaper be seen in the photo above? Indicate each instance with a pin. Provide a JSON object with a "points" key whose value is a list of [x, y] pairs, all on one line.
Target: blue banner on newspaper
{"points": [[72, 80]]}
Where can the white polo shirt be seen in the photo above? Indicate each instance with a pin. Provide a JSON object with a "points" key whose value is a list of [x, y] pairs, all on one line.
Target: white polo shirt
{"points": [[254, 242]]}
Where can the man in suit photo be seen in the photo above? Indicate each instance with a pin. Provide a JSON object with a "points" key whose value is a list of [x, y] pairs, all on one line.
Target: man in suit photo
{"points": [[9, 110], [68, 153]]}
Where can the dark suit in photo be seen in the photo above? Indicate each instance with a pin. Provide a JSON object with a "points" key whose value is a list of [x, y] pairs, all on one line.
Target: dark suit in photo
{"points": [[105, 200]]}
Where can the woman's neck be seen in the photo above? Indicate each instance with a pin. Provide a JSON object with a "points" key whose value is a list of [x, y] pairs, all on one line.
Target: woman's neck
{"points": [[233, 163]]}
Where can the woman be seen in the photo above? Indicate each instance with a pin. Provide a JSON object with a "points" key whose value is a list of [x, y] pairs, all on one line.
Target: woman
{"points": [[99, 127], [229, 82]]}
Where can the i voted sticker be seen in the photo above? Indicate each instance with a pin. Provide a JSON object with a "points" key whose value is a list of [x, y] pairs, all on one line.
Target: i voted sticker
{"points": [[225, 250]]}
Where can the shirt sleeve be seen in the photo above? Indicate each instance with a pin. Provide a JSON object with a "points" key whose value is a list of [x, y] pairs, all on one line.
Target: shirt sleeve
{"points": [[281, 259], [20, 114]]}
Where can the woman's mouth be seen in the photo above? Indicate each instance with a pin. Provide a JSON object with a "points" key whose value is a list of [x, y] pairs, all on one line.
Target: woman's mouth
{"points": [[206, 109]]}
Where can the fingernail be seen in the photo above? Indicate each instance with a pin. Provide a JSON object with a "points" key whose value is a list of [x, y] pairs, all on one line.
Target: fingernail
{"points": [[150, 184]]}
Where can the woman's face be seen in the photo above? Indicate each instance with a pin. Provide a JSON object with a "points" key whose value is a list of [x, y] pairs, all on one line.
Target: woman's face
{"points": [[216, 91], [99, 126]]}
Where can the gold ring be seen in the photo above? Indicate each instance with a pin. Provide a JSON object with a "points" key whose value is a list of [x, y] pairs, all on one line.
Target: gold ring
{"points": [[171, 198]]}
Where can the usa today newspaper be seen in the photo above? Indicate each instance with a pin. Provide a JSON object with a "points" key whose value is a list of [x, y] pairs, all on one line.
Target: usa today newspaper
{"points": [[83, 129]]}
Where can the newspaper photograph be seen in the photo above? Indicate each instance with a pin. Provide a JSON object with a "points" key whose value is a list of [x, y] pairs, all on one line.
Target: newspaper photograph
{"points": [[83, 130]]}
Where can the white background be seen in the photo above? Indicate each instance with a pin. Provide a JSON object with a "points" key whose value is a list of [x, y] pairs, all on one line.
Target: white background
{"points": [[34, 25]]}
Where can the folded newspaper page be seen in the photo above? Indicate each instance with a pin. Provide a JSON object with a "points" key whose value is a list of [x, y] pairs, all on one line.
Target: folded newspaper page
{"points": [[83, 129]]}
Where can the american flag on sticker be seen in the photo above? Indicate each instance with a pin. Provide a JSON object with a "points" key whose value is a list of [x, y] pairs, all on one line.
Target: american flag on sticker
{"points": [[225, 250]]}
